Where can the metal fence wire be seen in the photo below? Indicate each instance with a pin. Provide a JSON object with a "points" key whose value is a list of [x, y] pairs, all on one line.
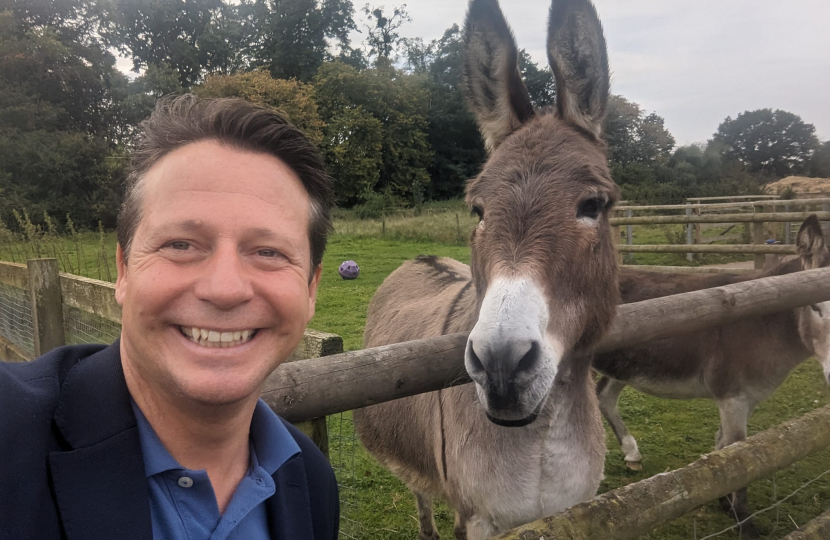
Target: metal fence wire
{"points": [[16, 318], [84, 327]]}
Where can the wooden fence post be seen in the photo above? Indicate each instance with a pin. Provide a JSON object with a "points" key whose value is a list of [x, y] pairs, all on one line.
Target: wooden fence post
{"points": [[758, 238], [689, 230], [316, 345], [787, 226], [616, 237], [47, 305]]}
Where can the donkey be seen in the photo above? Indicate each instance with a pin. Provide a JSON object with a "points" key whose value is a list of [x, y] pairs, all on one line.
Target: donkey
{"points": [[738, 365], [526, 439]]}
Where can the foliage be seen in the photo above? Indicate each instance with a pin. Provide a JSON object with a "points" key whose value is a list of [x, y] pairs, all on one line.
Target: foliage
{"points": [[292, 38], [58, 121], [777, 142], [539, 81], [382, 37], [633, 136], [820, 162], [161, 31], [291, 97], [390, 103]]}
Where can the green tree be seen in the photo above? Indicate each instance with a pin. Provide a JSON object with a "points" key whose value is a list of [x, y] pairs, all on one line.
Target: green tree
{"points": [[360, 109], [153, 32], [539, 81], [382, 37], [777, 142], [633, 136], [820, 162], [452, 133], [293, 98], [292, 38], [58, 91]]}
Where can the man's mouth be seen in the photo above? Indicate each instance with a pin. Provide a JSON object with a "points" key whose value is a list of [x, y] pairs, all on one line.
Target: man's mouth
{"points": [[217, 338]]}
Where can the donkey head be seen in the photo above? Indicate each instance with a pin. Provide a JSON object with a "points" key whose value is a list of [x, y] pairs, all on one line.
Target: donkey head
{"points": [[542, 254], [814, 320]]}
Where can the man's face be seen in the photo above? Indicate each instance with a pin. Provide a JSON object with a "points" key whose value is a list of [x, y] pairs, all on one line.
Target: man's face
{"points": [[221, 253]]}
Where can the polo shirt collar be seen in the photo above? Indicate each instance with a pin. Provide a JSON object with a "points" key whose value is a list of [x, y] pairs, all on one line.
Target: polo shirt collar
{"points": [[272, 444]]}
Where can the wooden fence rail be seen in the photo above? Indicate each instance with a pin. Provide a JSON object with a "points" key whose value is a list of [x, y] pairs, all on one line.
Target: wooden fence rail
{"points": [[634, 510], [719, 206], [767, 217], [771, 249], [342, 382]]}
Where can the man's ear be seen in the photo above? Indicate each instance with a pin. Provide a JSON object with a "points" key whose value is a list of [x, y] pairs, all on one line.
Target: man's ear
{"points": [[121, 282], [312, 291]]}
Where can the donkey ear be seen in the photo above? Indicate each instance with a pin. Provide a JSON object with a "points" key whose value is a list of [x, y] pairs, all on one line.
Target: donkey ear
{"points": [[579, 60], [493, 83], [810, 243]]}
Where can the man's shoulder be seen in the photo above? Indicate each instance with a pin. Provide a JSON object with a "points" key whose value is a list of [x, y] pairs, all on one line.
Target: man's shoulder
{"points": [[34, 387]]}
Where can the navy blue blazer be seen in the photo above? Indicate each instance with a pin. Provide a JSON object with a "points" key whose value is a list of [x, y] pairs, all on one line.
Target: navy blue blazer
{"points": [[71, 464]]}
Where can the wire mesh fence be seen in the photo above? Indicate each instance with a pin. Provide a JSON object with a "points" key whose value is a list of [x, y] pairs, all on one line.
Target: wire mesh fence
{"points": [[16, 318], [83, 327]]}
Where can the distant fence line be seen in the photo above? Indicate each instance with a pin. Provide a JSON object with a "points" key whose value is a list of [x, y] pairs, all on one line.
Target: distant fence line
{"points": [[697, 213]]}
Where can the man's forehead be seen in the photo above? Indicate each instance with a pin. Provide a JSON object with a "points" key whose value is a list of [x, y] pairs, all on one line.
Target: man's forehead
{"points": [[210, 166]]}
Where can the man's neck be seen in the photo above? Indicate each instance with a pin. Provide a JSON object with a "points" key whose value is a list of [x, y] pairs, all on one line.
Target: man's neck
{"points": [[214, 438]]}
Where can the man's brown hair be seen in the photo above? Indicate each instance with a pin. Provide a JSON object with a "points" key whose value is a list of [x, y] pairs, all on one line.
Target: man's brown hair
{"points": [[187, 119]]}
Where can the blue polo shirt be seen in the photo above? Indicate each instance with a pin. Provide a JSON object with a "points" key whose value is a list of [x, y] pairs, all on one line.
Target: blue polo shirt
{"points": [[182, 502]]}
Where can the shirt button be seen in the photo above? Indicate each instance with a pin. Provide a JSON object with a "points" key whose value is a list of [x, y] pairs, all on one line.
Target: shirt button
{"points": [[185, 482]]}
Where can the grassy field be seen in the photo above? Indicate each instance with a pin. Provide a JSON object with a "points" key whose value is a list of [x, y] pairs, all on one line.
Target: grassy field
{"points": [[670, 433]]}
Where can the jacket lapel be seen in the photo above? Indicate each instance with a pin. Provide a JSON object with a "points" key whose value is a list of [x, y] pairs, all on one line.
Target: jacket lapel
{"points": [[100, 484], [289, 509]]}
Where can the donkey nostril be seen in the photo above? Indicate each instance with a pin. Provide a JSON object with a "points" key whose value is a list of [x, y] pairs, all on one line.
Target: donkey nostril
{"points": [[529, 361], [474, 361]]}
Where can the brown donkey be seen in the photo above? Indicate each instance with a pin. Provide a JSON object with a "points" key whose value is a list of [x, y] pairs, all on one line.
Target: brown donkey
{"points": [[526, 439], [738, 365]]}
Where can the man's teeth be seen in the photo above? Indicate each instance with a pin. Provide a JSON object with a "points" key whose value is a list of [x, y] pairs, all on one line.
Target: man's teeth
{"points": [[216, 339]]}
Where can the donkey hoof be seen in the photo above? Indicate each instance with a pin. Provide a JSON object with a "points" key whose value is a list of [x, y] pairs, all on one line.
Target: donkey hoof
{"points": [[431, 536], [634, 465]]}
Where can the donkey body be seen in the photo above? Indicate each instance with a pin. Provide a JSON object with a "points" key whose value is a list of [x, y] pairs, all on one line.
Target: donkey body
{"points": [[737, 365], [526, 439]]}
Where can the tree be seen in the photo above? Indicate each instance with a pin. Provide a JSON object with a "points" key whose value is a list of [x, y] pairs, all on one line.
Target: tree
{"points": [[361, 109], [292, 38], [776, 142], [382, 37], [820, 162], [452, 133], [633, 136], [291, 97], [153, 32], [539, 82], [58, 94]]}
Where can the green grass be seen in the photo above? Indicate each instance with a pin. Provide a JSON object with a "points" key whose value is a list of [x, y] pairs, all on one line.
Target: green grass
{"points": [[671, 434]]}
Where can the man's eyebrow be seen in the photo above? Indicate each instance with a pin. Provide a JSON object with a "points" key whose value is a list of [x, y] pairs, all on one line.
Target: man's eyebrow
{"points": [[188, 226]]}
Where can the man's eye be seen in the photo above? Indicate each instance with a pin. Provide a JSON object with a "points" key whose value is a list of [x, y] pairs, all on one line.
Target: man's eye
{"points": [[270, 253], [180, 246]]}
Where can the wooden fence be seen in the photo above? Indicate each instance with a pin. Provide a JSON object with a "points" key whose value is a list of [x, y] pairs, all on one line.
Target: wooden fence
{"points": [[756, 215], [309, 389]]}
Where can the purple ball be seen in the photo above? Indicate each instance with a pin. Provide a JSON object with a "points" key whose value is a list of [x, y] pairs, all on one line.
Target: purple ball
{"points": [[349, 270]]}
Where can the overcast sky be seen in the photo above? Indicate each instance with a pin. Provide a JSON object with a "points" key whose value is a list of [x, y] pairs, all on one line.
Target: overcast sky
{"points": [[694, 62]]}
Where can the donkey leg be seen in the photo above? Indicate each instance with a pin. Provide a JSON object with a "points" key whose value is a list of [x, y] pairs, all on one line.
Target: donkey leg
{"points": [[480, 529], [608, 392], [426, 519], [460, 529], [734, 415]]}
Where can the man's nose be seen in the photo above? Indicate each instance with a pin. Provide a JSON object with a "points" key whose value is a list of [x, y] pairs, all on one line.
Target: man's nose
{"points": [[224, 281]]}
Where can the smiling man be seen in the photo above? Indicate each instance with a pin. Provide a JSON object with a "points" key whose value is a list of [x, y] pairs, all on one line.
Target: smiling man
{"points": [[162, 435]]}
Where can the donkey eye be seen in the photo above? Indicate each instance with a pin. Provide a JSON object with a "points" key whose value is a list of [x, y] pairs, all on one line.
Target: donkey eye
{"points": [[590, 208], [478, 212], [816, 309]]}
